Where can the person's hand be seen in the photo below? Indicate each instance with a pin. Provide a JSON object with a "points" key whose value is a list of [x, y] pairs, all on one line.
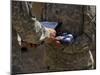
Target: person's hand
{"points": [[52, 38]]}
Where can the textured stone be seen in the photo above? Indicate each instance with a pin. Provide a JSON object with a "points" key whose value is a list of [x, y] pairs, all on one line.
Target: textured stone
{"points": [[47, 58]]}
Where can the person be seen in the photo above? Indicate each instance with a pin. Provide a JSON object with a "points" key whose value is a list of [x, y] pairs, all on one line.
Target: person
{"points": [[29, 28]]}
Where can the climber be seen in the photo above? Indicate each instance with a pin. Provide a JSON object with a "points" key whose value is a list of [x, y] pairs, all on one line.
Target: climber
{"points": [[29, 30]]}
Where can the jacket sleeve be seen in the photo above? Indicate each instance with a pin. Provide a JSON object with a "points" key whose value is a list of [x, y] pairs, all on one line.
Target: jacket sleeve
{"points": [[28, 28]]}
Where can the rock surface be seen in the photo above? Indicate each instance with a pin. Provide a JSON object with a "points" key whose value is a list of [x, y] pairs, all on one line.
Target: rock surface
{"points": [[46, 58]]}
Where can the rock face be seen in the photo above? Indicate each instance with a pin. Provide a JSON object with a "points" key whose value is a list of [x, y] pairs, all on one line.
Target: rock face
{"points": [[90, 27], [48, 58], [71, 16]]}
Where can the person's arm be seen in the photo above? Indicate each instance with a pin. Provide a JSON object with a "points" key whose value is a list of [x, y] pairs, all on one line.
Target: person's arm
{"points": [[28, 28]]}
